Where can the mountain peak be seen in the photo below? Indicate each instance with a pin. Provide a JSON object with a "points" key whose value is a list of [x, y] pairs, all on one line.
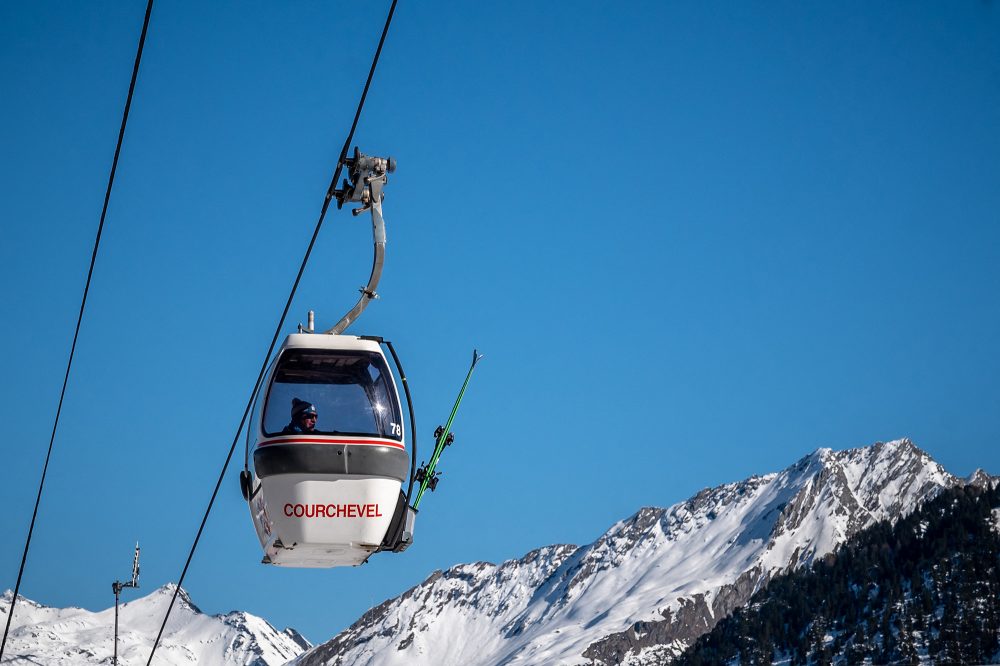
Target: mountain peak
{"points": [[167, 591], [78, 636], [822, 453], [653, 581], [981, 478], [901, 446]]}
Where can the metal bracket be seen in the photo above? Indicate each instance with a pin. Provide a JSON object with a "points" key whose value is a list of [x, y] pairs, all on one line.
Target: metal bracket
{"points": [[449, 440], [366, 177], [422, 474], [365, 183]]}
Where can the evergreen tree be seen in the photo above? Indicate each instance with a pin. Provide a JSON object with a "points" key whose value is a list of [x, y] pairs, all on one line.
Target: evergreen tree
{"points": [[928, 585]]}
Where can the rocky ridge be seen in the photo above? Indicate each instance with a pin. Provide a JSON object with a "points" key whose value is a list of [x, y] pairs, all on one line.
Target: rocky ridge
{"points": [[652, 583]]}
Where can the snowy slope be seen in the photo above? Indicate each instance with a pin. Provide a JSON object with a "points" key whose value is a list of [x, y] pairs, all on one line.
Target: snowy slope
{"points": [[74, 636], [651, 583]]}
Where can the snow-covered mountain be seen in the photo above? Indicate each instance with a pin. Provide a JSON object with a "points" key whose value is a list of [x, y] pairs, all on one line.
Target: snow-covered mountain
{"points": [[923, 590], [653, 582], [74, 636]]}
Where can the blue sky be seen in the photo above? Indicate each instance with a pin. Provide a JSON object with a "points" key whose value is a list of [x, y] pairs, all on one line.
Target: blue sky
{"points": [[695, 241]]}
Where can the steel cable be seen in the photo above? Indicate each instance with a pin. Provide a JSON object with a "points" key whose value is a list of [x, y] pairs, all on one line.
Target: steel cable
{"points": [[79, 320], [277, 331]]}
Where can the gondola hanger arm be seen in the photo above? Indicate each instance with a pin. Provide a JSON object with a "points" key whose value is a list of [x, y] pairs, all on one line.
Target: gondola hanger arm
{"points": [[367, 176]]}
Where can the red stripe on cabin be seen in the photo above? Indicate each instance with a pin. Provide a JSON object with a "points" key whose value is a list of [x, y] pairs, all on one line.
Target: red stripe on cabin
{"points": [[332, 440]]}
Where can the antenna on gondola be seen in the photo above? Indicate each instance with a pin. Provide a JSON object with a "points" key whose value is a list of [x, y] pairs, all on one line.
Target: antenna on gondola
{"points": [[118, 586]]}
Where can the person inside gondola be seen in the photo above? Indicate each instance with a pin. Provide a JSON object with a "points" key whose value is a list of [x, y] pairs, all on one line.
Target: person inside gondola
{"points": [[304, 418]]}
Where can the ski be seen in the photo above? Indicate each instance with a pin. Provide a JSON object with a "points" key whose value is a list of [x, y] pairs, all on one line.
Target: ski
{"points": [[427, 476]]}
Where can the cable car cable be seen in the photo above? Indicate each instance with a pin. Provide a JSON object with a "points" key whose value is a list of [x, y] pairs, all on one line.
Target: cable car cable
{"points": [[281, 322], [326, 204], [79, 320]]}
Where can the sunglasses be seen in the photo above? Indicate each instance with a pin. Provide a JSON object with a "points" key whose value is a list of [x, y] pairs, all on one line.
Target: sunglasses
{"points": [[310, 416]]}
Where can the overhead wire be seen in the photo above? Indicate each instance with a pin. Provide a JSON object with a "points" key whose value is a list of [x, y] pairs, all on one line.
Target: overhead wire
{"points": [[277, 332], [79, 320]]}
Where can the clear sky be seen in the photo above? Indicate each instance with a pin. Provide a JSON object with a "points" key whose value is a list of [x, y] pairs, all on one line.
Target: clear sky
{"points": [[695, 240]]}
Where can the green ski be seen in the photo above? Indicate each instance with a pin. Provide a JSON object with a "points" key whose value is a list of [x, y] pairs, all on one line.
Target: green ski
{"points": [[426, 475]]}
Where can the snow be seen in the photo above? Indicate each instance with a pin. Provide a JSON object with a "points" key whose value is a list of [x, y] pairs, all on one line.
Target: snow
{"points": [[689, 563], [72, 636], [554, 604]]}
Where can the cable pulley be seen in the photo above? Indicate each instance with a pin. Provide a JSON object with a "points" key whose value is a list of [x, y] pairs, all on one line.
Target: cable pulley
{"points": [[366, 176]]}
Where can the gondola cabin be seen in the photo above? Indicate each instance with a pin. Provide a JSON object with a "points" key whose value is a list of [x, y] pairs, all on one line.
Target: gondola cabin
{"points": [[330, 453]]}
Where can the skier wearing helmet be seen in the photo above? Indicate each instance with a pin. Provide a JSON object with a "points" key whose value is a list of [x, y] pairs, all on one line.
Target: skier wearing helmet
{"points": [[304, 418]]}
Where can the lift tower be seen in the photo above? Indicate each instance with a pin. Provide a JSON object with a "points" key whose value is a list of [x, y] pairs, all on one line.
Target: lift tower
{"points": [[118, 586]]}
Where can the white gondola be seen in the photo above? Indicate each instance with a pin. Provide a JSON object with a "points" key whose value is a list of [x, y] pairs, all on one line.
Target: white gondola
{"points": [[326, 492]]}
